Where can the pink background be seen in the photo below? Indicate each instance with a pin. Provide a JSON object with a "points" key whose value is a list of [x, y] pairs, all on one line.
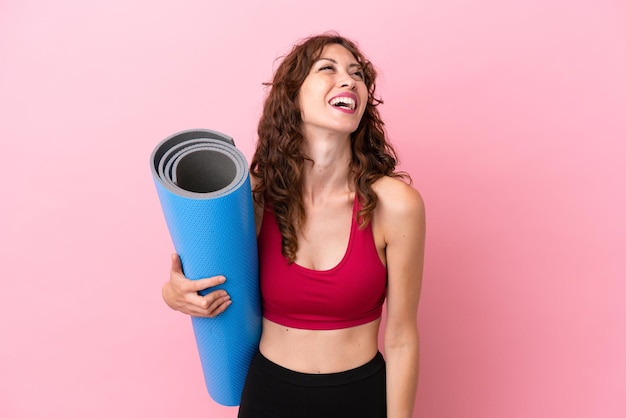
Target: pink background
{"points": [[509, 115]]}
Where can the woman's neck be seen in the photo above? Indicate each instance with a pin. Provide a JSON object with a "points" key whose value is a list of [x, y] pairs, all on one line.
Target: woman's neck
{"points": [[328, 175]]}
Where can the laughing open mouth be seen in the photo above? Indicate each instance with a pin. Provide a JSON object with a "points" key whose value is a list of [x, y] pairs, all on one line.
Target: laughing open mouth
{"points": [[343, 102]]}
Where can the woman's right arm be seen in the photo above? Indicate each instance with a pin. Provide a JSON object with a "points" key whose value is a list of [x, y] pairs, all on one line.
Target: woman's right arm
{"points": [[181, 293]]}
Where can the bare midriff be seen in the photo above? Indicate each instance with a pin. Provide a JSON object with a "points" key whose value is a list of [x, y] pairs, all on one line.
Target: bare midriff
{"points": [[319, 351]]}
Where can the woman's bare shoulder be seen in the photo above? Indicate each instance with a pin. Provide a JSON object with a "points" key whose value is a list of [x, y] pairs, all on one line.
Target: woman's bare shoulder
{"points": [[397, 198]]}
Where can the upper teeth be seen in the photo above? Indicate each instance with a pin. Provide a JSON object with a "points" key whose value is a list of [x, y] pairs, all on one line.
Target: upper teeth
{"points": [[347, 101]]}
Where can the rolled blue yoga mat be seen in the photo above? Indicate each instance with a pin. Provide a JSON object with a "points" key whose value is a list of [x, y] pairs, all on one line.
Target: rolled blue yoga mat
{"points": [[203, 184]]}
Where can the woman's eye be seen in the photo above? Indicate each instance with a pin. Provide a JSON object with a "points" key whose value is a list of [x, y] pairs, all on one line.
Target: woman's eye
{"points": [[326, 67], [359, 74]]}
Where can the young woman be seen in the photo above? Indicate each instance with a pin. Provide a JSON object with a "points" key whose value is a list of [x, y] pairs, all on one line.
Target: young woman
{"points": [[338, 232]]}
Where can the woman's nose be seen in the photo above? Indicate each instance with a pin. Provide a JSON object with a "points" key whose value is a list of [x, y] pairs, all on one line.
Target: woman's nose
{"points": [[346, 80]]}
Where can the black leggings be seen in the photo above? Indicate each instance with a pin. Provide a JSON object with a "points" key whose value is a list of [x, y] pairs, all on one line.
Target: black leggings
{"points": [[272, 391]]}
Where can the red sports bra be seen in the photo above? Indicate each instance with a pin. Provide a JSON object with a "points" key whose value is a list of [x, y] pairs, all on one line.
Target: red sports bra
{"points": [[350, 294]]}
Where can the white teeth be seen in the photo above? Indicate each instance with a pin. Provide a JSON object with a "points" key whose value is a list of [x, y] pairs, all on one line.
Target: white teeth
{"points": [[343, 102]]}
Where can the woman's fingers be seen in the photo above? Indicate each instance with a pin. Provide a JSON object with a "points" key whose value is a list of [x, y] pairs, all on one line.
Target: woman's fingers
{"points": [[201, 284], [217, 304], [208, 306]]}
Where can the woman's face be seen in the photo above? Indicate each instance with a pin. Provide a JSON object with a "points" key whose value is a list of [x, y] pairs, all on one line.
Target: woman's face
{"points": [[334, 95]]}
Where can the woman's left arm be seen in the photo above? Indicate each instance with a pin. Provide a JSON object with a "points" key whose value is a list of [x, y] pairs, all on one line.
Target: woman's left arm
{"points": [[402, 219]]}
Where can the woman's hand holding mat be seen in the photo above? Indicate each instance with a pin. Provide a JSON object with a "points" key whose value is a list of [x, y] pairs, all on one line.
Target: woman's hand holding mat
{"points": [[182, 294]]}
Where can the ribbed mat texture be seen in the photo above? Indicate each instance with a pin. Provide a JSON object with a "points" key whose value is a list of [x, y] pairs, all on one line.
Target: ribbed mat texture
{"points": [[203, 184]]}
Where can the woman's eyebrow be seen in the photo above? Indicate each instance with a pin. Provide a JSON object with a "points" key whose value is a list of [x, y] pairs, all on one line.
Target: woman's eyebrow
{"points": [[354, 64]]}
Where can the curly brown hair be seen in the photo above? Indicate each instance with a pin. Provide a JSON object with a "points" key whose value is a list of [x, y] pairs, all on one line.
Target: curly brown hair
{"points": [[278, 160]]}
